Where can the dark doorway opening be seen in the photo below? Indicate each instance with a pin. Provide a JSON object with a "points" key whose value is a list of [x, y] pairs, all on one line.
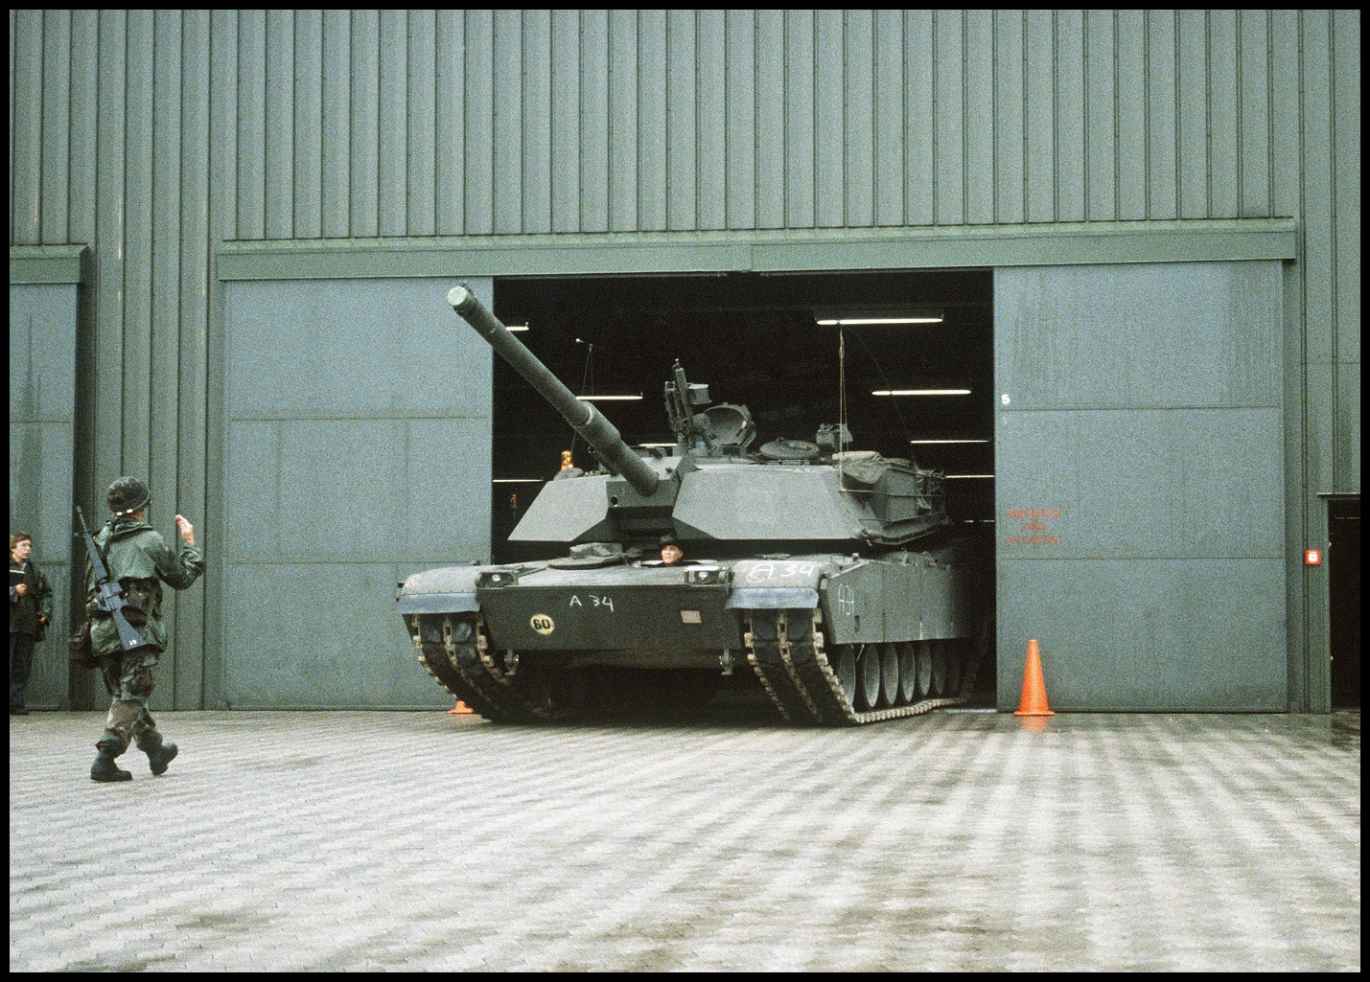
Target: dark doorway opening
{"points": [[1344, 599], [756, 340]]}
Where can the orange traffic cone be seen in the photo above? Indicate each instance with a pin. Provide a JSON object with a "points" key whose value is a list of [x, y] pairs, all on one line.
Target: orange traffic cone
{"points": [[460, 709], [1034, 700]]}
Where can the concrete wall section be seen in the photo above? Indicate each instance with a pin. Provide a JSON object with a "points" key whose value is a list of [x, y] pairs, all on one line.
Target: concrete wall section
{"points": [[357, 451], [1139, 480]]}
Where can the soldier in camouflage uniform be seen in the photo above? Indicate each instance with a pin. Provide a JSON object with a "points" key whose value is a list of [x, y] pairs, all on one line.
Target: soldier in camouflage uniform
{"points": [[139, 558]]}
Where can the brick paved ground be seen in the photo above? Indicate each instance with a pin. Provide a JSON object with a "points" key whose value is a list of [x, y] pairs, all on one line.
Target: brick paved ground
{"points": [[331, 841]]}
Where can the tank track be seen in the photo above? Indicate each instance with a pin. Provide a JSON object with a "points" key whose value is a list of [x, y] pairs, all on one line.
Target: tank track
{"points": [[455, 651], [786, 650]]}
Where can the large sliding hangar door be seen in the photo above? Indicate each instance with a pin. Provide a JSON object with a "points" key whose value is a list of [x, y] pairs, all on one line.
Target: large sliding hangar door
{"points": [[356, 450], [1139, 484]]}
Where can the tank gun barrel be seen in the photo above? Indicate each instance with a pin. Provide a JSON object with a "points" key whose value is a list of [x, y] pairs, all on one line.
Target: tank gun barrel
{"points": [[581, 416]]}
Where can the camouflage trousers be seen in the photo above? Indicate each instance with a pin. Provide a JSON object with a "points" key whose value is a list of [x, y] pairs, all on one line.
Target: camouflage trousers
{"points": [[128, 678]]}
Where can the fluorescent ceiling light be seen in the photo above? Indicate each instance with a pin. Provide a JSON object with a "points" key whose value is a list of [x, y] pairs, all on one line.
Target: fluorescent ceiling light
{"points": [[635, 398], [858, 321], [966, 477], [672, 445], [921, 392], [921, 442], [517, 480], [517, 327]]}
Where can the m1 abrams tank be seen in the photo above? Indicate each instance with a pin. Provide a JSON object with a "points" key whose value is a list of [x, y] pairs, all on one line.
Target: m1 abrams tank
{"points": [[830, 576]]}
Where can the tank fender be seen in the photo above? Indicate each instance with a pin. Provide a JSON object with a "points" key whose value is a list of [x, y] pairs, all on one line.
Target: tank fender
{"points": [[776, 584], [451, 589]]}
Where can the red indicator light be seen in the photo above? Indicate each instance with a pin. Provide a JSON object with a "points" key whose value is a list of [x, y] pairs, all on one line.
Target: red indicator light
{"points": [[1312, 557]]}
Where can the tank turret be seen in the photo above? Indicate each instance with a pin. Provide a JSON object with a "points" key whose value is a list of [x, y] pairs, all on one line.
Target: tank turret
{"points": [[712, 488]]}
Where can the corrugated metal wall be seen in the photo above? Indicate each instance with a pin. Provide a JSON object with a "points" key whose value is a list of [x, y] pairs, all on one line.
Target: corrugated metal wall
{"points": [[152, 136]]}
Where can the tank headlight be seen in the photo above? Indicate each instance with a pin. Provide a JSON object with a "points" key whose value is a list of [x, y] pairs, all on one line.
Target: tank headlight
{"points": [[497, 579]]}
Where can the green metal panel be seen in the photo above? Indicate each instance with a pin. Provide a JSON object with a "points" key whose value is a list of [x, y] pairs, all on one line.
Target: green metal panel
{"points": [[1139, 484], [919, 118], [1346, 168], [1009, 117], [742, 134], [336, 179], [56, 124], [356, 451], [594, 121], [42, 401], [537, 122], [1100, 97], [506, 133], [136, 288], [710, 177], [948, 148], [977, 79], [392, 122], [1069, 132], [479, 98], [859, 144], [623, 119], [26, 127], [1130, 80]]}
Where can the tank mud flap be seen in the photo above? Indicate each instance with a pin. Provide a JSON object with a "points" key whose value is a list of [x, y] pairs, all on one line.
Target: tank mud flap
{"points": [[786, 650]]}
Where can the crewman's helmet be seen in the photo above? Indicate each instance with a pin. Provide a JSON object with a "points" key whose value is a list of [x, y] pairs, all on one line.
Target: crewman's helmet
{"points": [[126, 495]]}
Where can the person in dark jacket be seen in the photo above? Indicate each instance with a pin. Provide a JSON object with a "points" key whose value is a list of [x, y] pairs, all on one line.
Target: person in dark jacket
{"points": [[139, 558], [30, 613]]}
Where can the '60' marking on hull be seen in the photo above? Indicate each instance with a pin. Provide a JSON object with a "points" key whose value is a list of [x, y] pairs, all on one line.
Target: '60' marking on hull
{"points": [[594, 600], [542, 623]]}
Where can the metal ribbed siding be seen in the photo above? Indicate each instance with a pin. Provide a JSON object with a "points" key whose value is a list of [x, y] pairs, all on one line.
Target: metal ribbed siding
{"points": [[153, 136]]}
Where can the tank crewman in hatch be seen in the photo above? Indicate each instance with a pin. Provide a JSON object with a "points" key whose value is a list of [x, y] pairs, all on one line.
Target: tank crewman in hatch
{"points": [[139, 558], [671, 553]]}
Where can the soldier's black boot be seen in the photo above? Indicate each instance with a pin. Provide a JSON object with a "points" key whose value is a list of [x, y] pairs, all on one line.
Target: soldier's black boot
{"points": [[159, 753], [104, 768]]}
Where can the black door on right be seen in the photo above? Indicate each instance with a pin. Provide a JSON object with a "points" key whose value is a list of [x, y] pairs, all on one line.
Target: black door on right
{"points": [[1343, 556]]}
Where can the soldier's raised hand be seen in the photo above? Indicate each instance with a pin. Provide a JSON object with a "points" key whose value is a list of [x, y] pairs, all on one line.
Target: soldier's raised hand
{"points": [[185, 530]]}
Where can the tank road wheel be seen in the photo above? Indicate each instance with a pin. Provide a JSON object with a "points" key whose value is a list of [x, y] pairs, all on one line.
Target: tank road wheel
{"points": [[939, 668], [868, 677], [844, 667], [924, 659], [908, 672], [889, 675]]}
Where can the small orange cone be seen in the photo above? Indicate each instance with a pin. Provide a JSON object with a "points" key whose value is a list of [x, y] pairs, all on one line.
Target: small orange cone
{"points": [[460, 709], [1034, 700]]}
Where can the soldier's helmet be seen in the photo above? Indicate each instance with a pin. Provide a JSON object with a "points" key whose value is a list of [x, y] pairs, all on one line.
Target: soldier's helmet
{"points": [[127, 494]]}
